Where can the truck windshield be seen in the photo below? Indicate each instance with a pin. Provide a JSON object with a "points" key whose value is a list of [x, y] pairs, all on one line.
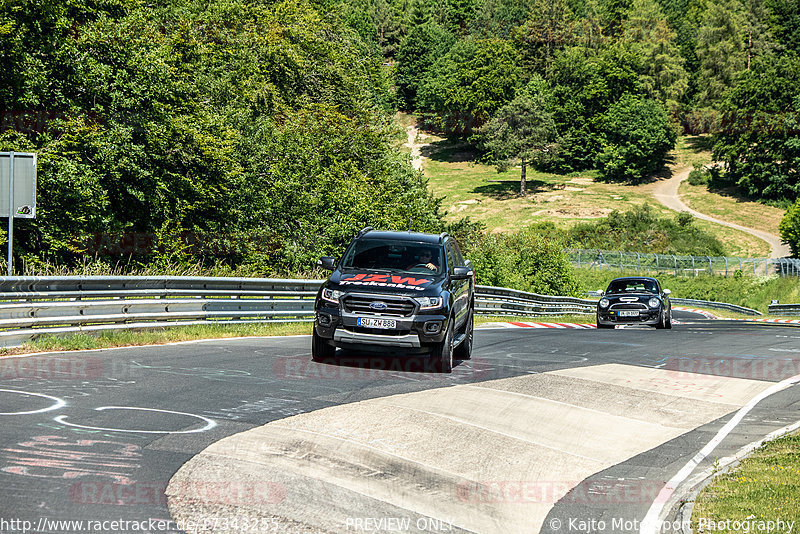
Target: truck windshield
{"points": [[407, 256]]}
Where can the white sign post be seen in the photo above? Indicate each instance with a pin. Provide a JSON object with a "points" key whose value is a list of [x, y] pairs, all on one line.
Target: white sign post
{"points": [[17, 192]]}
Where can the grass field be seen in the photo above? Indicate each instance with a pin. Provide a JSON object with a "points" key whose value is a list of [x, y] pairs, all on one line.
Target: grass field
{"points": [[764, 487], [476, 190]]}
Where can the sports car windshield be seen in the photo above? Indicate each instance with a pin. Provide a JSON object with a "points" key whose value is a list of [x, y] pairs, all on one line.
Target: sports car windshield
{"points": [[407, 256], [632, 286]]}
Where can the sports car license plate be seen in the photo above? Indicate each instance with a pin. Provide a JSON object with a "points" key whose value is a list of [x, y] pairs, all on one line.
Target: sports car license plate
{"points": [[376, 323], [629, 313]]}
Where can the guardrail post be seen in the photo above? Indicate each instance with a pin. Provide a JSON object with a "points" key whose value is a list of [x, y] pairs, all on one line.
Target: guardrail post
{"points": [[675, 258], [638, 262], [726, 266]]}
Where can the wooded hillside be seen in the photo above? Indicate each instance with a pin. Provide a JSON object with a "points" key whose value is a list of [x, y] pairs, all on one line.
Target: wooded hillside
{"points": [[259, 133]]}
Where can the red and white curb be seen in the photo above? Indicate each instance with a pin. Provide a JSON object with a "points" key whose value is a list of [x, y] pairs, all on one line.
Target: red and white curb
{"points": [[538, 325], [781, 321], [710, 315]]}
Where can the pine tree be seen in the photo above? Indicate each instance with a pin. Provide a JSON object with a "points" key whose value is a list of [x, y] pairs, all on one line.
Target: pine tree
{"points": [[648, 34], [720, 50]]}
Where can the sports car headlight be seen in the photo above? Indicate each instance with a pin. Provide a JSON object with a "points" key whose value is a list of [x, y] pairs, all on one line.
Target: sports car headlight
{"points": [[654, 302], [604, 303], [428, 303], [332, 295]]}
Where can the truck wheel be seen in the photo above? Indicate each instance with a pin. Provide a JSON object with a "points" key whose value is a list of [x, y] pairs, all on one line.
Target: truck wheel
{"points": [[464, 350], [442, 353], [319, 349]]}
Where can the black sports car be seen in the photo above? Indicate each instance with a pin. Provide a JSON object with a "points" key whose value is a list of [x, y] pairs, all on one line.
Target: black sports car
{"points": [[634, 300]]}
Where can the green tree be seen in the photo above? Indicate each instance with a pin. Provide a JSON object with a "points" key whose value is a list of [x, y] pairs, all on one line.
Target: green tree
{"points": [[388, 26], [498, 18], [720, 50], [526, 260], [758, 141], [790, 228], [316, 178], [416, 54], [649, 36], [783, 19], [470, 83], [550, 27], [585, 83], [522, 130], [638, 135]]}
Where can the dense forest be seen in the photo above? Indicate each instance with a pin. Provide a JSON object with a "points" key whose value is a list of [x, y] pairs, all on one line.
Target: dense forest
{"points": [[258, 135]]}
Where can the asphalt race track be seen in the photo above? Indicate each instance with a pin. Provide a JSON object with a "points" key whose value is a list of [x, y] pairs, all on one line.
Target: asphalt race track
{"points": [[544, 430]]}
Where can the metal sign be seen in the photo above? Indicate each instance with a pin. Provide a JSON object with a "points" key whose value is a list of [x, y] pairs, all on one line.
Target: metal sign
{"points": [[17, 193], [23, 185]]}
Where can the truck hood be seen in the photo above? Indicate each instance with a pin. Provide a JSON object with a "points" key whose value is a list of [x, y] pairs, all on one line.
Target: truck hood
{"points": [[417, 284]]}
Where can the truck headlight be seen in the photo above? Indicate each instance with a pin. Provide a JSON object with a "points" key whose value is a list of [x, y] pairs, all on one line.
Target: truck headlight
{"points": [[604, 303], [332, 295], [429, 303], [654, 302]]}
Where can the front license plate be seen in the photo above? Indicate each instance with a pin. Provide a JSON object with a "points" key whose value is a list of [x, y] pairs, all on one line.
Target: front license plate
{"points": [[369, 322], [629, 313]]}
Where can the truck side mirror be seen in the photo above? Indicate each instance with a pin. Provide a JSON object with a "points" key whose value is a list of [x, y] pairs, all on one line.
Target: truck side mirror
{"points": [[327, 262], [461, 273]]}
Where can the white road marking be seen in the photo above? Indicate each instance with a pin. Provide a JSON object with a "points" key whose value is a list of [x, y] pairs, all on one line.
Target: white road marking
{"points": [[209, 423], [651, 523], [58, 403]]}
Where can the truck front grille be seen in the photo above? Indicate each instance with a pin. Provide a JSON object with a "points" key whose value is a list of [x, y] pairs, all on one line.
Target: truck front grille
{"points": [[395, 306]]}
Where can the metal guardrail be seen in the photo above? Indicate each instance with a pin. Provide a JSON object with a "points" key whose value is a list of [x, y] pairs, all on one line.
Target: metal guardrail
{"points": [[501, 301], [33, 306], [784, 309], [715, 306], [682, 265]]}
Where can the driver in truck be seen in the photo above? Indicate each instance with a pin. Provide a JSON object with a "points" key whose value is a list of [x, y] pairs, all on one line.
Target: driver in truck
{"points": [[425, 259]]}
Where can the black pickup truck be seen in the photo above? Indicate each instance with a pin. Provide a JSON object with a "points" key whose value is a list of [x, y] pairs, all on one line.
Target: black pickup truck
{"points": [[401, 292]]}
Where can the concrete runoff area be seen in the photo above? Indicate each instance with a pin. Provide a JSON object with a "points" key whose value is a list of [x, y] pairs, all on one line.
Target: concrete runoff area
{"points": [[428, 457]]}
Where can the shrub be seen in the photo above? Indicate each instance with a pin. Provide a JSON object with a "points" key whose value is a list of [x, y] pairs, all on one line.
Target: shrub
{"points": [[699, 177]]}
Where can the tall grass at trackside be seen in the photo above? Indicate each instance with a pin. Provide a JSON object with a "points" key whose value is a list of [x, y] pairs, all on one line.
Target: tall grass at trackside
{"points": [[754, 292], [156, 336], [173, 334], [764, 487]]}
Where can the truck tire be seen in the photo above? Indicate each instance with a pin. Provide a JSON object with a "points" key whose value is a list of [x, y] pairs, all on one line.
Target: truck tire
{"points": [[320, 350], [442, 353], [464, 350]]}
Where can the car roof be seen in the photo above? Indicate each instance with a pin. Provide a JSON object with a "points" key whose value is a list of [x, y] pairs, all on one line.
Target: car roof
{"points": [[634, 279], [419, 237]]}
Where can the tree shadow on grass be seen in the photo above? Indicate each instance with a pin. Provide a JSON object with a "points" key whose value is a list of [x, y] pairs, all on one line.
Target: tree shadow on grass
{"points": [[508, 189], [449, 151], [700, 143]]}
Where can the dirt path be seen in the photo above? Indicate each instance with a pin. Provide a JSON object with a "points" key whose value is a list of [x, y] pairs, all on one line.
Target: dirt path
{"points": [[416, 148], [666, 192]]}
